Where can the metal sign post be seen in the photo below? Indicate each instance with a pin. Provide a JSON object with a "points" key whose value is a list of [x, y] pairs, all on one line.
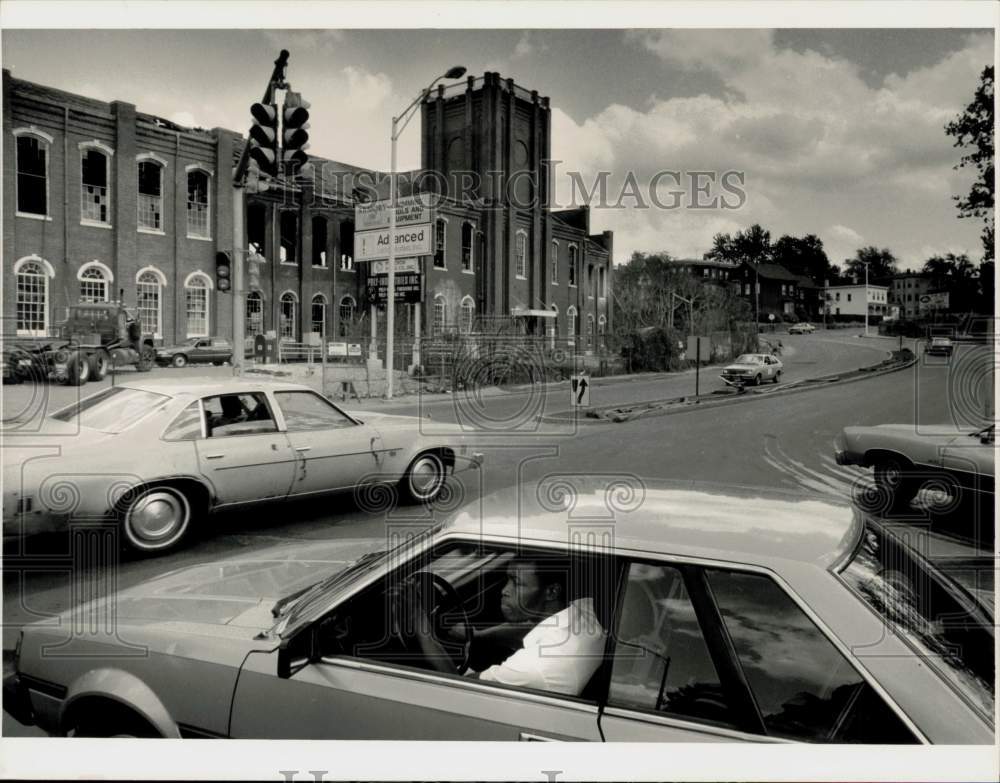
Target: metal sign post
{"points": [[699, 346]]}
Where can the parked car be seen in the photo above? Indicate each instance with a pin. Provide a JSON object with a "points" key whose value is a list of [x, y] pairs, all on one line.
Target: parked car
{"points": [[729, 616], [160, 454], [801, 328], [197, 350], [906, 457], [754, 369], [939, 346]]}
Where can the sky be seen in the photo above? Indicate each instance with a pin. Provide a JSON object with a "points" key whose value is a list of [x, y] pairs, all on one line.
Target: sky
{"points": [[837, 132]]}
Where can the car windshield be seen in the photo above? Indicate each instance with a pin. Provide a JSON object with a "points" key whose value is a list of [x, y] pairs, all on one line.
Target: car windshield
{"points": [[293, 604], [749, 358], [113, 409], [927, 605]]}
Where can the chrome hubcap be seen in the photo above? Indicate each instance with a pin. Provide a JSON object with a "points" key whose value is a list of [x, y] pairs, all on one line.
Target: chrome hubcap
{"points": [[157, 515], [425, 476]]}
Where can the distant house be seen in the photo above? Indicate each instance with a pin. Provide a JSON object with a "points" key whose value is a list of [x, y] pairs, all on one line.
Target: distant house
{"points": [[779, 289], [848, 301], [706, 269], [906, 291]]}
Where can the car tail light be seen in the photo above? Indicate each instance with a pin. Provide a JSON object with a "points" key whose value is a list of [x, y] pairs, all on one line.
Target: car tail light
{"points": [[24, 505]]}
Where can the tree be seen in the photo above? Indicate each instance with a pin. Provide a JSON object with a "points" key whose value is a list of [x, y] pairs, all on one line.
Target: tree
{"points": [[986, 293], [803, 256], [753, 245], [881, 264], [957, 275], [974, 129]]}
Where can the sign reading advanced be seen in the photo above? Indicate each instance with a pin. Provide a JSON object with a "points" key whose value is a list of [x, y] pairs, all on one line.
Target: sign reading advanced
{"points": [[410, 241]]}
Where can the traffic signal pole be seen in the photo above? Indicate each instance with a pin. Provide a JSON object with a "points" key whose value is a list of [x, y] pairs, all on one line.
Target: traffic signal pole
{"points": [[239, 252]]}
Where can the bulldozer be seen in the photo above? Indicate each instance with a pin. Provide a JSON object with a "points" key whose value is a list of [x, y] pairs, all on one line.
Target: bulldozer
{"points": [[95, 338]]}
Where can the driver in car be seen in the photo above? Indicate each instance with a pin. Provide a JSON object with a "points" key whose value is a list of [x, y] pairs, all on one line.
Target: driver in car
{"points": [[562, 643], [233, 411]]}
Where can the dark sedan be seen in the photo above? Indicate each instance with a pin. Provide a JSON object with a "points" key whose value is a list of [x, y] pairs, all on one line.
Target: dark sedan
{"points": [[197, 350]]}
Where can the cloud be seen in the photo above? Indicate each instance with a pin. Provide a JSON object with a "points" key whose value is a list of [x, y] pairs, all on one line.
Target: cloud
{"points": [[184, 118], [846, 232], [818, 145], [528, 45]]}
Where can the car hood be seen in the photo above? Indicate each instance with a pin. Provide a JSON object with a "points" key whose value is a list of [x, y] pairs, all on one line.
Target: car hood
{"points": [[239, 591], [743, 367], [173, 348], [917, 432]]}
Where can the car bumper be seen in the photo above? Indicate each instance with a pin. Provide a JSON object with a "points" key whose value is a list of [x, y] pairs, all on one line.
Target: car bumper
{"points": [[17, 701], [470, 461], [31, 523]]}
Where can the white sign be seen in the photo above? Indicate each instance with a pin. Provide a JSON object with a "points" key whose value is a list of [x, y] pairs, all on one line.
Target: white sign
{"points": [[402, 265], [336, 349], [410, 241], [354, 349], [410, 210], [580, 391]]}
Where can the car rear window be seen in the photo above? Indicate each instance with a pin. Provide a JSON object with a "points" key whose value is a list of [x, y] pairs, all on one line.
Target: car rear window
{"points": [[112, 410], [804, 687], [944, 623]]}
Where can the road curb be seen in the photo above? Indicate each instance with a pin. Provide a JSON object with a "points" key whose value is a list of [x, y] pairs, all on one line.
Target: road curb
{"points": [[683, 404]]}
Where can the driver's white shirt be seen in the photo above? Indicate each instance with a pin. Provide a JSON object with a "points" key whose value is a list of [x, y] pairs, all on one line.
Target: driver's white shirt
{"points": [[559, 654]]}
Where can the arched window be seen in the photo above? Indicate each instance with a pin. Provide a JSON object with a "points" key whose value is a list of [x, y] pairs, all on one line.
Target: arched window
{"points": [[590, 330], [347, 305], [440, 241], [148, 301], [32, 172], [199, 204], [571, 324], [32, 296], [602, 328], [319, 241], [288, 315], [521, 255], [572, 268], [467, 233], [555, 263], [255, 314], [94, 279], [468, 308], [440, 314], [196, 288], [150, 196], [95, 201], [319, 314]]}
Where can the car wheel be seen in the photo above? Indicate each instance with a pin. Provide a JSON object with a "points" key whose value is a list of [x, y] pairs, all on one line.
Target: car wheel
{"points": [[893, 482], [100, 364], [110, 719], [425, 478], [156, 520], [180, 360], [777, 377], [756, 380], [77, 370]]}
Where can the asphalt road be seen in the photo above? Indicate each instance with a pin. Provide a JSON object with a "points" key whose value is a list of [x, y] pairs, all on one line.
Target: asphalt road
{"points": [[783, 442]]}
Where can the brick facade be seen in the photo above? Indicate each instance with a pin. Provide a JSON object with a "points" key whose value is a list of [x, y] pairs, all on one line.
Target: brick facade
{"points": [[492, 127]]}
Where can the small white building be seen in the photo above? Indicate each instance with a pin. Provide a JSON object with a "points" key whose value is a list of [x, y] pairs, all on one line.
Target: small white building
{"points": [[849, 300]]}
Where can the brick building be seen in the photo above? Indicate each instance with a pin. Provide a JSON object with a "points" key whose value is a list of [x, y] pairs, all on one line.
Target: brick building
{"points": [[105, 202]]}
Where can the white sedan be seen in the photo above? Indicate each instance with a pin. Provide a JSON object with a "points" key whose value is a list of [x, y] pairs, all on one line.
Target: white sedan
{"points": [[753, 369], [157, 455]]}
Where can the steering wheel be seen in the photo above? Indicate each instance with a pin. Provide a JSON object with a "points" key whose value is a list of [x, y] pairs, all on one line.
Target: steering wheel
{"points": [[446, 602]]}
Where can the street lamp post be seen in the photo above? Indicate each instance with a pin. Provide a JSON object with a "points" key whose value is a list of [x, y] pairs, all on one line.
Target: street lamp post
{"points": [[866, 297], [398, 126]]}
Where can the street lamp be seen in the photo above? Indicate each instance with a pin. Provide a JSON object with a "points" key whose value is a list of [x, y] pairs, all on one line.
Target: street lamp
{"points": [[866, 263], [398, 126]]}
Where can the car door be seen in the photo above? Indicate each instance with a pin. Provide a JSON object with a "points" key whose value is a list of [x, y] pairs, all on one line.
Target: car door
{"points": [[710, 654], [222, 350], [246, 460], [333, 451], [342, 696], [971, 460]]}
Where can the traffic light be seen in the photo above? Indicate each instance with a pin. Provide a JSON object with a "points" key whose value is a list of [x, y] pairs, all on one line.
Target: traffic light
{"points": [[264, 137], [223, 272], [294, 137]]}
